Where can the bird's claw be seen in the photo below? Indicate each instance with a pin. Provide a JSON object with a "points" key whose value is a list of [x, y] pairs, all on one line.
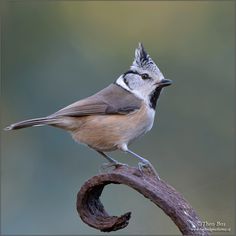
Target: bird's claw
{"points": [[143, 165], [146, 164], [113, 165]]}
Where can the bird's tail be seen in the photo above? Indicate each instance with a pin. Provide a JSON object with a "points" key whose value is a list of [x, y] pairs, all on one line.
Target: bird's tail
{"points": [[31, 122]]}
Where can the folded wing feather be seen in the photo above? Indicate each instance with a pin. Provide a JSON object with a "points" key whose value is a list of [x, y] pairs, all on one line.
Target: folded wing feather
{"points": [[111, 100]]}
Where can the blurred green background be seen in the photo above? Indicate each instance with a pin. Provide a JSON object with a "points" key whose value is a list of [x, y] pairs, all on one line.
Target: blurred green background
{"points": [[56, 52]]}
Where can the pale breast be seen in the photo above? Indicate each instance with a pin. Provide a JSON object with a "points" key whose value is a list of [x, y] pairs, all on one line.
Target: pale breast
{"points": [[107, 132]]}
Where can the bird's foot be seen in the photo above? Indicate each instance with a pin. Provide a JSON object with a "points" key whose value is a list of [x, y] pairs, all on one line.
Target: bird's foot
{"points": [[146, 165], [105, 167]]}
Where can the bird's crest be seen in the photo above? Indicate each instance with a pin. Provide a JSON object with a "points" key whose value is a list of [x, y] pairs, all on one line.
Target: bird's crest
{"points": [[143, 61]]}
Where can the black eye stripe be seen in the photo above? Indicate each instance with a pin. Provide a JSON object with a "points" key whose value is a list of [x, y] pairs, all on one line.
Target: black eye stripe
{"points": [[131, 72], [144, 76]]}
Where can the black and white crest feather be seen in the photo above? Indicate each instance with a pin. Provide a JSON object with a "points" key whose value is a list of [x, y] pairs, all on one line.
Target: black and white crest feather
{"points": [[143, 61]]}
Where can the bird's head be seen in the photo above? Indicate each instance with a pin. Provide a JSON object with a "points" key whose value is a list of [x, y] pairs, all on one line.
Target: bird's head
{"points": [[144, 79]]}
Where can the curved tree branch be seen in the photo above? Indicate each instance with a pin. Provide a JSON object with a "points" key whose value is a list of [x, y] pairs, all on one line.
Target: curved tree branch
{"points": [[146, 182]]}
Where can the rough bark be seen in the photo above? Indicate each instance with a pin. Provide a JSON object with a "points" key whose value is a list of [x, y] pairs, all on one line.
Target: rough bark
{"points": [[92, 211]]}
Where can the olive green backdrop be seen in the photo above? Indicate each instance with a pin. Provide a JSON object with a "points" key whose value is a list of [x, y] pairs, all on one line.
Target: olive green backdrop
{"points": [[56, 52]]}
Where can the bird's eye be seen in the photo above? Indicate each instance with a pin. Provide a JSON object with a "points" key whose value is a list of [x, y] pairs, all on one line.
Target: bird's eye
{"points": [[145, 76]]}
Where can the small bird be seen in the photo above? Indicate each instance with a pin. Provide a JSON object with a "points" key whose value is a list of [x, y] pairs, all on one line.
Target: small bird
{"points": [[115, 116]]}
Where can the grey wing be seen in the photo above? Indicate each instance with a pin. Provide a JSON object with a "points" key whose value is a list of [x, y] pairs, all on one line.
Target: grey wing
{"points": [[111, 100]]}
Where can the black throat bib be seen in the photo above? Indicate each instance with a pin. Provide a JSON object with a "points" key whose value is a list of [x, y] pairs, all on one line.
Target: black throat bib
{"points": [[154, 97]]}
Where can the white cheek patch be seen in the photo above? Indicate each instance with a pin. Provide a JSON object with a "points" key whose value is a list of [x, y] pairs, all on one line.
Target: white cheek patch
{"points": [[135, 82], [142, 94], [137, 86], [137, 93], [120, 82]]}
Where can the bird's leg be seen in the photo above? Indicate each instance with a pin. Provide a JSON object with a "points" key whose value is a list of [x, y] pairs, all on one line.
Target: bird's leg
{"points": [[143, 162], [111, 161]]}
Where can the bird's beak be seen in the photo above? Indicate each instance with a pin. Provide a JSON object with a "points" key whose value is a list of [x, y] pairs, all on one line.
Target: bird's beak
{"points": [[165, 82]]}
